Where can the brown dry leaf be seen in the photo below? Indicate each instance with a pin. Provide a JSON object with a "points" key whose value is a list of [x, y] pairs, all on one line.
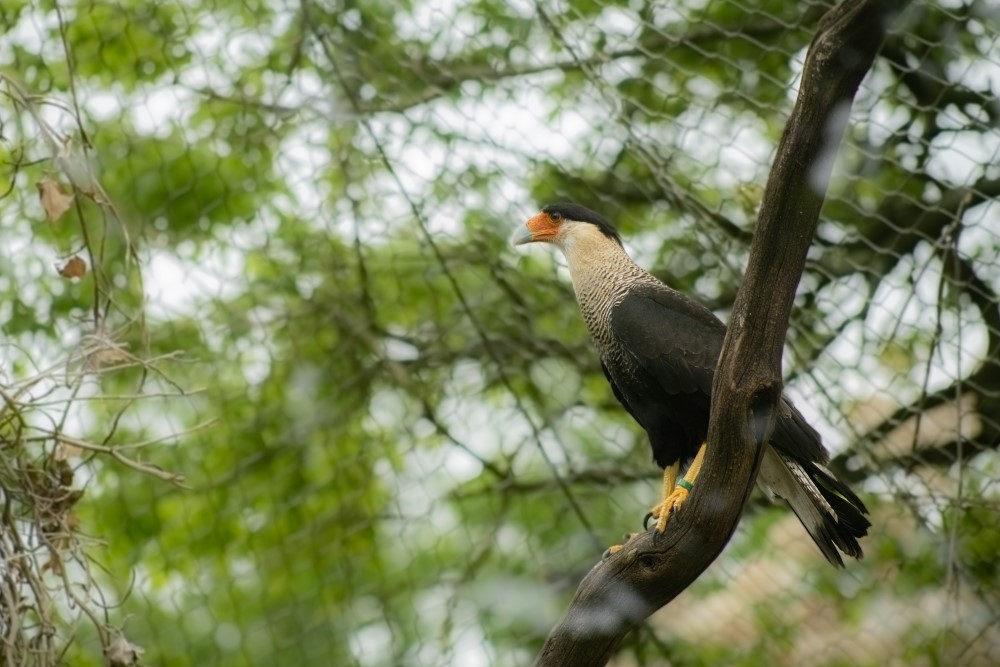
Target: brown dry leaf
{"points": [[74, 268], [120, 652], [72, 522], [53, 564], [54, 198], [67, 451], [107, 356]]}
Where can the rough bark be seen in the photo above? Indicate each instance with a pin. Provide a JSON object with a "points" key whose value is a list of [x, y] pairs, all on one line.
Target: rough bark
{"points": [[626, 588]]}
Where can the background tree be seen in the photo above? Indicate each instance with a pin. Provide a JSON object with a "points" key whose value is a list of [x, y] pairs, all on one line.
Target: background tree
{"points": [[395, 442]]}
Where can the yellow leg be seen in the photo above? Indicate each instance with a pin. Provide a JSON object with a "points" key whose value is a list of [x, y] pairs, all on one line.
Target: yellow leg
{"points": [[670, 479], [675, 491], [695, 467]]}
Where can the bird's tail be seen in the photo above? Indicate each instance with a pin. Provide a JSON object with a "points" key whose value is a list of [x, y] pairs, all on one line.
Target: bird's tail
{"points": [[831, 513]]}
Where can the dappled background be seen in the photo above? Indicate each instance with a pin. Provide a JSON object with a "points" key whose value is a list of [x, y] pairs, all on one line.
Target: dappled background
{"points": [[276, 390]]}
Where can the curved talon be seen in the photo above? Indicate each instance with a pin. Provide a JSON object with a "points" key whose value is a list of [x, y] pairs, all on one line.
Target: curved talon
{"points": [[645, 520], [615, 548], [666, 509]]}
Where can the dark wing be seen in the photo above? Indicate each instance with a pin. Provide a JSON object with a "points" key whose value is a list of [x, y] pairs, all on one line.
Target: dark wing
{"points": [[794, 436], [677, 341], [674, 338], [661, 365], [614, 388]]}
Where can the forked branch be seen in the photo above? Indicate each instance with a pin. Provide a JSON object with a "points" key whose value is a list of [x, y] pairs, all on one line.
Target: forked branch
{"points": [[623, 590]]}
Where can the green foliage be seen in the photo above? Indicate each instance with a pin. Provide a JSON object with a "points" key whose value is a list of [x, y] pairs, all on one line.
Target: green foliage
{"points": [[395, 437], [192, 188], [124, 43]]}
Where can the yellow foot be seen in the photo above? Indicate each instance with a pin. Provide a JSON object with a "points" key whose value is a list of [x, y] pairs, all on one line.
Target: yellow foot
{"points": [[671, 503], [675, 491], [615, 548]]}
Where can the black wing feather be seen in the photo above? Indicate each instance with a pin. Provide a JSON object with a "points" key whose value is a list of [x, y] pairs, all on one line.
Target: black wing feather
{"points": [[674, 343], [674, 337], [614, 388], [668, 346]]}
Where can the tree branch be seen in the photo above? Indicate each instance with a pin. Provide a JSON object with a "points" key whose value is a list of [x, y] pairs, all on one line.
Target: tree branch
{"points": [[440, 77], [624, 589]]}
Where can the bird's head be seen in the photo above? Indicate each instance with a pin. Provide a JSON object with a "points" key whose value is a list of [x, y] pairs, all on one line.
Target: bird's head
{"points": [[562, 223]]}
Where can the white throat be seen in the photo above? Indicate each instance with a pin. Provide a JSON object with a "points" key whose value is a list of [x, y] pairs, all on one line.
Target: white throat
{"points": [[600, 268]]}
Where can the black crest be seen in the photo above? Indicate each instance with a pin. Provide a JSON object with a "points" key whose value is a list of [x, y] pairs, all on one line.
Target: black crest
{"points": [[578, 213]]}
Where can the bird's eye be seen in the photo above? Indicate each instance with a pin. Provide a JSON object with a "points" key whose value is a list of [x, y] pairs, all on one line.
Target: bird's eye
{"points": [[555, 217]]}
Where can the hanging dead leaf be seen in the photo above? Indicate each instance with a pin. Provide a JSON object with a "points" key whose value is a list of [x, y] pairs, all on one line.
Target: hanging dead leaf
{"points": [[53, 564], [55, 199], [67, 451], [108, 355], [72, 521], [122, 653], [74, 268]]}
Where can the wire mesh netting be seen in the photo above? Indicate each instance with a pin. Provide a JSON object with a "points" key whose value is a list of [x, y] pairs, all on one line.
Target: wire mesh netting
{"points": [[276, 390]]}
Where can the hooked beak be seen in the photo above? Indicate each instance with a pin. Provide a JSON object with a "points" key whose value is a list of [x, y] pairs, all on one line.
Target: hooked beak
{"points": [[521, 236], [537, 228]]}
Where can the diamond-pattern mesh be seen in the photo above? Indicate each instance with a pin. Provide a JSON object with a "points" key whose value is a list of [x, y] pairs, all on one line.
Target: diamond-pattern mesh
{"points": [[276, 390]]}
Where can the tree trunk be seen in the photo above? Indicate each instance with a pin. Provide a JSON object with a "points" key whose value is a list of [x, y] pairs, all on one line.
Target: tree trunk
{"points": [[623, 590]]}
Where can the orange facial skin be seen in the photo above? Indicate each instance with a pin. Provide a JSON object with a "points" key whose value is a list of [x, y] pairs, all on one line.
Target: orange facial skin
{"points": [[542, 227]]}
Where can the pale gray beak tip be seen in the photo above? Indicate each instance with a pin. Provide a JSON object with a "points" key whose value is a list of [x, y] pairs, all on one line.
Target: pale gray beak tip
{"points": [[521, 236]]}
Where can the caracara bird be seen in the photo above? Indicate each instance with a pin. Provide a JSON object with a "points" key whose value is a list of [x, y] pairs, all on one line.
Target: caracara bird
{"points": [[659, 349]]}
